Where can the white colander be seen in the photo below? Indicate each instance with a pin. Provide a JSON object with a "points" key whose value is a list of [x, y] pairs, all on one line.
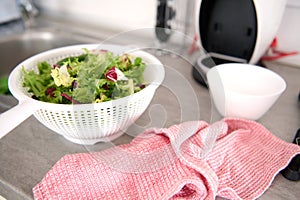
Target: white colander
{"points": [[82, 123]]}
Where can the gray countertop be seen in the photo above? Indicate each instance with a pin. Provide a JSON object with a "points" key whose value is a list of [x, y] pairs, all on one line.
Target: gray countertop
{"points": [[30, 150]]}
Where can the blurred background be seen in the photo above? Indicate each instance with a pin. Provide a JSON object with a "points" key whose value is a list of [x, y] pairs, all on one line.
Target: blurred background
{"points": [[28, 27], [101, 19], [120, 16]]}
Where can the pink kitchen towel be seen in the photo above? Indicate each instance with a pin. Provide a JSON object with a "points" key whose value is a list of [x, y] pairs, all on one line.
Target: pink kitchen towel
{"points": [[232, 158]]}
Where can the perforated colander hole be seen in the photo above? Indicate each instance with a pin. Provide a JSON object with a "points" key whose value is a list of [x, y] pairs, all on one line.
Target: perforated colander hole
{"points": [[42, 115], [96, 116], [68, 119], [107, 118], [120, 112], [114, 114], [47, 116], [56, 120], [61, 118], [99, 115], [79, 119], [89, 118]]}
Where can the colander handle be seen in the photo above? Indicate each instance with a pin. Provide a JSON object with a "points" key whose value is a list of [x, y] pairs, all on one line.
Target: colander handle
{"points": [[15, 116]]}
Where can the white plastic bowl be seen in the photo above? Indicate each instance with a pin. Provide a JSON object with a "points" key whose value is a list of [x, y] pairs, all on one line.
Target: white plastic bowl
{"points": [[83, 123], [244, 90]]}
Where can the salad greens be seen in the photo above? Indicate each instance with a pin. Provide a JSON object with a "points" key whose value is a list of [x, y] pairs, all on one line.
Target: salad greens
{"points": [[4, 85], [87, 78]]}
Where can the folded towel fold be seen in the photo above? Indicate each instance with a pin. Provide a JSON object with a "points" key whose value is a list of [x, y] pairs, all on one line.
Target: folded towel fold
{"points": [[232, 158]]}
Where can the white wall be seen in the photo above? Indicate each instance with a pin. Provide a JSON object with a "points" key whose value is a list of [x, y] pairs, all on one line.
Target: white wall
{"points": [[289, 32], [123, 15], [119, 15]]}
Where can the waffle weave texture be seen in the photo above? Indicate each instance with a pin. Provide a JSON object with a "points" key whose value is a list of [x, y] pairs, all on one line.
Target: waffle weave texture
{"points": [[232, 158]]}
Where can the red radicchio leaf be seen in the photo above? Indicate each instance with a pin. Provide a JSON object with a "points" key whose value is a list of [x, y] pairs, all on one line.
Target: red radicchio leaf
{"points": [[142, 86], [105, 86], [74, 84], [50, 91], [56, 66], [70, 98], [112, 75]]}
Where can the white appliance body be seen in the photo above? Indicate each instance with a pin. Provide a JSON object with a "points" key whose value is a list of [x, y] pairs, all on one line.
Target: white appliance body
{"points": [[268, 14]]}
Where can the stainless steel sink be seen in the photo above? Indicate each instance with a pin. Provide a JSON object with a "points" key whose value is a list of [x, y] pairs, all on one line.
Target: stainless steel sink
{"points": [[16, 48]]}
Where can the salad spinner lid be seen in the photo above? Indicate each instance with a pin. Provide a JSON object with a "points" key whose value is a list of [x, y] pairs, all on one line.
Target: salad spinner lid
{"points": [[228, 27]]}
